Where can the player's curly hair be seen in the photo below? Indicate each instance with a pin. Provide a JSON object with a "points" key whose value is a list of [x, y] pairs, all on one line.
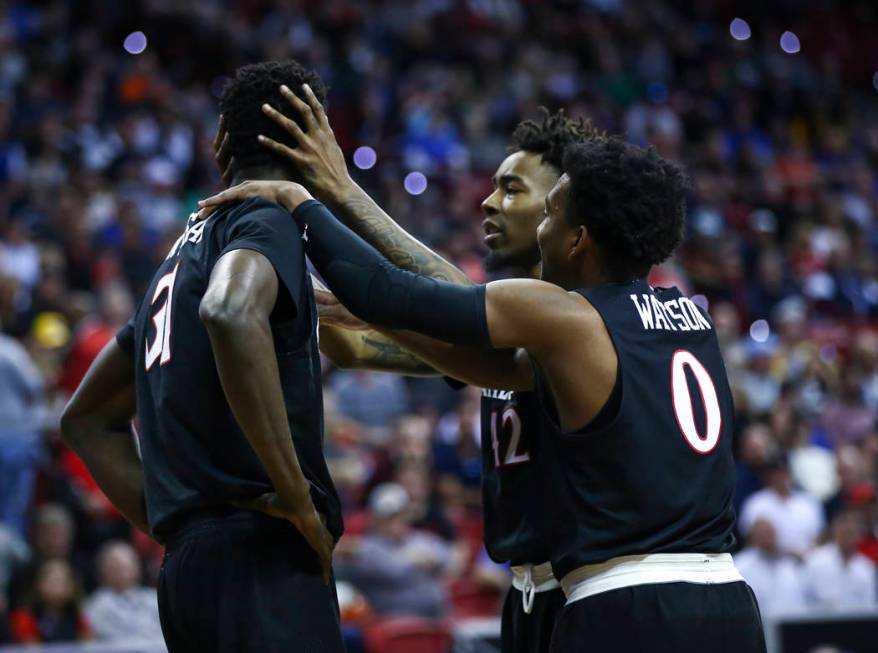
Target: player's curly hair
{"points": [[241, 104], [551, 134], [632, 201]]}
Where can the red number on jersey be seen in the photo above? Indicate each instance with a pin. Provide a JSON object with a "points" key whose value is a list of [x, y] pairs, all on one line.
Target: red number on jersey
{"points": [[160, 349], [683, 402]]}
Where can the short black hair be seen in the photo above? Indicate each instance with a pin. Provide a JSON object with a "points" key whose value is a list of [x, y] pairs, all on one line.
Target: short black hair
{"points": [[241, 107], [632, 201], [551, 135]]}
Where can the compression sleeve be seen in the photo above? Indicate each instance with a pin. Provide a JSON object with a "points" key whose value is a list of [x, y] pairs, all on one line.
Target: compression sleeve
{"points": [[376, 291]]}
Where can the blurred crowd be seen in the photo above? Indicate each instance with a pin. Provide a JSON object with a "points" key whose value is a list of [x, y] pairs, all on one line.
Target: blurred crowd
{"points": [[103, 153]]}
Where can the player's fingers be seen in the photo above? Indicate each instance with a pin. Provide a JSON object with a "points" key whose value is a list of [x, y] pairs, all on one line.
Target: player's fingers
{"points": [[301, 106], [287, 124], [280, 148], [215, 200], [316, 107], [325, 297]]}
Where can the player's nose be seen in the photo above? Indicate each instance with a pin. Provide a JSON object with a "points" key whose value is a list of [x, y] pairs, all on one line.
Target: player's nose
{"points": [[490, 205]]}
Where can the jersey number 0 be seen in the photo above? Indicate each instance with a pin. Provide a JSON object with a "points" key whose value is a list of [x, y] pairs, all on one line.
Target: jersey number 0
{"points": [[683, 402]]}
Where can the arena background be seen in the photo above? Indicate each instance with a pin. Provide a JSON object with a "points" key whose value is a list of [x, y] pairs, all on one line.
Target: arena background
{"points": [[107, 115]]}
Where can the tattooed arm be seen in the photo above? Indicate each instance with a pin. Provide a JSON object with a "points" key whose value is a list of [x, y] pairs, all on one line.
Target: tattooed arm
{"points": [[369, 350], [320, 160], [350, 343]]}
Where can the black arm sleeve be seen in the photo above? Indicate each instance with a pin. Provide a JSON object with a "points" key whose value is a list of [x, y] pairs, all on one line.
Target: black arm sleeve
{"points": [[376, 291]]}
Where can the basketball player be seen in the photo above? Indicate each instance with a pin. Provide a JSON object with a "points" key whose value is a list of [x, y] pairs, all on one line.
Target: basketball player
{"points": [[513, 514], [222, 358], [638, 469]]}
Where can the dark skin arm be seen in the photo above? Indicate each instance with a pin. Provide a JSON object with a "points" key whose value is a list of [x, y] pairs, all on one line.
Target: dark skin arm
{"points": [[321, 162], [357, 348], [561, 330], [235, 310], [96, 424], [481, 367], [351, 344], [485, 368]]}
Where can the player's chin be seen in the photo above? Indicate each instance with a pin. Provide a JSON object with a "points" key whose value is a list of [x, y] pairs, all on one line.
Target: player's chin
{"points": [[495, 259]]}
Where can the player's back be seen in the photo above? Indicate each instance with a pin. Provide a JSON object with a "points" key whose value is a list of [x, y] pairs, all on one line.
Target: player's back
{"points": [[653, 473], [195, 454]]}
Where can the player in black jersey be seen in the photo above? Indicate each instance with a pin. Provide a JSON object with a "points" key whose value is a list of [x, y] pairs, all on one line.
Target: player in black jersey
{"points": [[513, 514], [638, 466], [222, 359]]}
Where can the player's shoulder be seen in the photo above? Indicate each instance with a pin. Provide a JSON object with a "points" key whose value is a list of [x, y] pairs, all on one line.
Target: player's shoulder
{"points": [[252, 208]]}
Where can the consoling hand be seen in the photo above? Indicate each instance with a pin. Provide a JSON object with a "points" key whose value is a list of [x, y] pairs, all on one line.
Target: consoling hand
{"points": [[317, 156], [286, 193]]}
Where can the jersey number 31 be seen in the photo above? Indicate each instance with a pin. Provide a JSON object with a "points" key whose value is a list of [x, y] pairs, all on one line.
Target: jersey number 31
{"points": [[160, 348]]}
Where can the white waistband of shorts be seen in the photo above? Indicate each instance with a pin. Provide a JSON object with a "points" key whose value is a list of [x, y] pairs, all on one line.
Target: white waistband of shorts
{"points": [[540, 575], [626, 571]]}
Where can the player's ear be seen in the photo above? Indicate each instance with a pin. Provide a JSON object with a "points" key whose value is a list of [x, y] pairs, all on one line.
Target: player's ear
{"points": [[579, 241]]}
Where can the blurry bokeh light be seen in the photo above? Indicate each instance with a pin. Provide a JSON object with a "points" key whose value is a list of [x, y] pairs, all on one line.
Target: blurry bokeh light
{"points": [[760, 331], [135, 43], [365, 157], [415, 183], [739, 29], [789, 43]]}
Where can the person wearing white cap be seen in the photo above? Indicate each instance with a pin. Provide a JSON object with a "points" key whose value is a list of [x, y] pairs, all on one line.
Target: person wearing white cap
{"points": [[399, 569]]}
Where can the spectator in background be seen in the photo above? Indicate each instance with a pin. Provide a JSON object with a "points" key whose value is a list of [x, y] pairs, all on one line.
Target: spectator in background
{"points": [[53, 611], [400, 570], [846, 418], [122, 610], [797, 518], [760, 387], [775, 578], [21, 417], [757, 446], [837, 576], [14, 553], [52, 539], [374, 399]]}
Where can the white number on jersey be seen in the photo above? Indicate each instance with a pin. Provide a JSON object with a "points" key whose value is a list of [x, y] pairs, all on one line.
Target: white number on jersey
{"points": [[513, 457], [683, 402], [161, 345]]}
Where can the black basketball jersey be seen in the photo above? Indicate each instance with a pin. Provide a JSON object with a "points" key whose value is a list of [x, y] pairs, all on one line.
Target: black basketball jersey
{"points": [[511, 489], [195, 455], [656, 474]]}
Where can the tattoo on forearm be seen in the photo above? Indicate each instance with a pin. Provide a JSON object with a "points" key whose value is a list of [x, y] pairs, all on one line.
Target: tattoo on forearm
{"points": [[400, 248], [392, 356]]}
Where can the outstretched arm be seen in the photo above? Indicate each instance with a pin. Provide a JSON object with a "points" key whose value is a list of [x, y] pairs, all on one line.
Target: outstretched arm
{"points": [[96, 424], [483, 367], [504, 315]]}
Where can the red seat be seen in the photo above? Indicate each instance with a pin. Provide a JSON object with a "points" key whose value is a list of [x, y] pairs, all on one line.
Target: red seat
{"points": [[356, 523], [408, 635], [469, 599]]}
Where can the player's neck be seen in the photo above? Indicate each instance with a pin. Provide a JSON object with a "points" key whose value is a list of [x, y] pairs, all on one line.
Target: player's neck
{"points": [[267, 173]]}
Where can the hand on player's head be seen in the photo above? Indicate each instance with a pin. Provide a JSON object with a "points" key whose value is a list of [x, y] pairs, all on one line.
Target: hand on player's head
{"points": [[286, 193], [317, 156]]}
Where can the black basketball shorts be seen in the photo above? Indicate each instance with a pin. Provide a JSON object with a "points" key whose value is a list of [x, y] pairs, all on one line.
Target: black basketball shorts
{"points": [[242, 581], [663, 618]]}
